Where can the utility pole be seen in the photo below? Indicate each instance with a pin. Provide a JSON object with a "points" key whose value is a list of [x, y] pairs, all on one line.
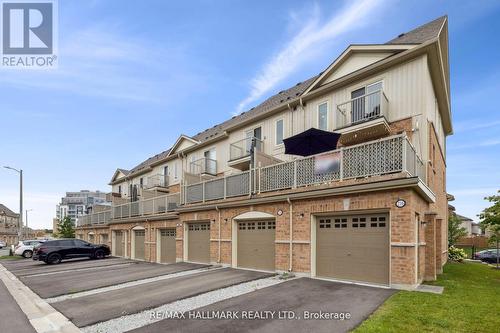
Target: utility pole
{"points": [[20, 222]]}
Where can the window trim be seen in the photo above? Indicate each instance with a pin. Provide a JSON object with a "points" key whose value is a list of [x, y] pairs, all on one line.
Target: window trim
{"points": [[327, 102], [276, 132]]}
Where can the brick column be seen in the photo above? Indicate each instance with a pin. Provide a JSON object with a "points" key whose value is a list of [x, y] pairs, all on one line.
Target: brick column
{"points": [[430, 247]]}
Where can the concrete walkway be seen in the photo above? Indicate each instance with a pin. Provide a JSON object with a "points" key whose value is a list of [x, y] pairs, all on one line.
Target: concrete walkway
{"points": [[42, 317]]}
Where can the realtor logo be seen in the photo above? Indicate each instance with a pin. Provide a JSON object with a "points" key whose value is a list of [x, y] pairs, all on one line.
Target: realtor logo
{"points": [[28, 33]]}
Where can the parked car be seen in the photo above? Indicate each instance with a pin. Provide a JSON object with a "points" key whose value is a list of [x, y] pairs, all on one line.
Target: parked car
{"points": [[25, 247], [52, 252], [2, 244], [489, 255]]}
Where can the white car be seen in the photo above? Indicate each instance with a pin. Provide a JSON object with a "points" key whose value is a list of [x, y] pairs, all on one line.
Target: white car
{"points": [[2, 244], [25, 248]]}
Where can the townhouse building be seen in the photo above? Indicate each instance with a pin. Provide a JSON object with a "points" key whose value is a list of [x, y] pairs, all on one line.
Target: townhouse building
{"points": [[9, 225], [373, 210]]}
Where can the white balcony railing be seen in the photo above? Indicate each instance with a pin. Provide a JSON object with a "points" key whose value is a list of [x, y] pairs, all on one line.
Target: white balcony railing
{"points": [[156, 205], [389, 155], [203, 165], [94, 218], [243, 148], [362, 108], [156, 181]]}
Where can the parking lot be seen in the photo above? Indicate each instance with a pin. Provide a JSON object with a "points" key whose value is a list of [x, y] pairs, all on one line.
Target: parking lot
{"points": [[119, 295]]}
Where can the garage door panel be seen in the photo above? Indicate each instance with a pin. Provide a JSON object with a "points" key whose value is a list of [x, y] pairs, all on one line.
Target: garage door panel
{"points": [[167, 246], [256, 245], [353, 248], [140, 237], [119, 243], [199, 242]]}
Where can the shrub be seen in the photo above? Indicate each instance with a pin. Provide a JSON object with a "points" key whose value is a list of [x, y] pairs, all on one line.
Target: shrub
{"points": [[456, 254]]}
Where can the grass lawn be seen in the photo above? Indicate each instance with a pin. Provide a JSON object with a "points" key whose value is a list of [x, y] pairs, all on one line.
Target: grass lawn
{"points": [[10, 257], [470, 303]]}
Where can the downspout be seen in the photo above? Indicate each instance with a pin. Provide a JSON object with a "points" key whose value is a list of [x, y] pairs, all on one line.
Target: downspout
{"points": [[290, 266], [218, 211]]}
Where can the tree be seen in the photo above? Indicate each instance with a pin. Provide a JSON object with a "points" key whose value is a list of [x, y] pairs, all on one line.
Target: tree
{"points": [[490, 220], [65, 228], [455, 231]]}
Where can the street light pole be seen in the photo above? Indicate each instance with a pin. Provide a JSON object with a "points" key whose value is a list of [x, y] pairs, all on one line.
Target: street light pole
{"points": [[20, 222]]}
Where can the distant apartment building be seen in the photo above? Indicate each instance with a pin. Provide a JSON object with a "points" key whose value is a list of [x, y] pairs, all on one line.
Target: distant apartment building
{"points": [[9, 225], [76, 204], [371, 207]]}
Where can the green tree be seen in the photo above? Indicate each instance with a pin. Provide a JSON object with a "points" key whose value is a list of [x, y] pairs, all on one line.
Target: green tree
{"points": [[455, 231], [65, 228], [490, 220]]}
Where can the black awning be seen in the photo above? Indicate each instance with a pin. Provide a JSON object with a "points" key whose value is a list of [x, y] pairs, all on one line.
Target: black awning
{"points": [[311, 142]]}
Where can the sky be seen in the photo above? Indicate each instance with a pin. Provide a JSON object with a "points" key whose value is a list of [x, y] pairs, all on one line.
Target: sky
{"points": [[134, 75]]}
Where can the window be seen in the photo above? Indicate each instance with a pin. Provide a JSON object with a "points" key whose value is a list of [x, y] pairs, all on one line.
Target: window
{"points": [[279, 132], [141, 181], [323, 116]]}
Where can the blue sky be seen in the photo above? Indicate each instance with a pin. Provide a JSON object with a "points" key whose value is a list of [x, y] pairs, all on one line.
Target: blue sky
{"points": [[133, 75]]}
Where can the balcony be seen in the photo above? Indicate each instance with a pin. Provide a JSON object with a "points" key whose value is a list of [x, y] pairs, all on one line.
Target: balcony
{"points": [[156, 181], [152, 206], [380, 157], [240, 152], [203, 166], [363, 118], [94, 219]]}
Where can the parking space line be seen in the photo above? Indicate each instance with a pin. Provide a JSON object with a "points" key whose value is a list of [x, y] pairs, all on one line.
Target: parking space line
{"points": [[43, 317], [79, 270], [143, 318], [129, 284]]}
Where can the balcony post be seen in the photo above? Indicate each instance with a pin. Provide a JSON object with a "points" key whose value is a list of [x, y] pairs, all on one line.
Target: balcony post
{"points": [[341, 166], [258, 184], [225, 185], [203, 191], [141, 208]]}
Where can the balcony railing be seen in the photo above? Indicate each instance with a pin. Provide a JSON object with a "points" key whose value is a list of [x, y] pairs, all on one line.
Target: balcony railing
{"points": [[156, 181], [243, 148], [157, 205], [389, 155], [203, 165], [94, 218], [362, 108]]}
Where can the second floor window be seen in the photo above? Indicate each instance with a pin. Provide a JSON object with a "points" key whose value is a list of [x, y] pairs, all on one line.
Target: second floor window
{"points": [[323, 116], [141, 182], [279, 132], [120, 189]]}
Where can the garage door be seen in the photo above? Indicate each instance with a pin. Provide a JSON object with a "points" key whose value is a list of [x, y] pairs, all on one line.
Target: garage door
{"points": [[167, 246], [199, 242], [140, 236], [353, 248], [119, 243], [256, 245]]}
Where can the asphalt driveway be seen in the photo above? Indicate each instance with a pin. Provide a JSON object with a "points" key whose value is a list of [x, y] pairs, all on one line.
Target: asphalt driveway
{"points": [[297, 296], [31, 267], [116, 303], [76, 281]]}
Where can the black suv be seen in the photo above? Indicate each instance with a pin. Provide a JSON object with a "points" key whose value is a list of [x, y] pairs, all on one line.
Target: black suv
{"points": [[52, 252]]}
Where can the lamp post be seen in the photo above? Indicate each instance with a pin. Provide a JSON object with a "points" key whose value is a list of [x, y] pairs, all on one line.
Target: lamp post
{"points": [[26, 229], [20, 223]]}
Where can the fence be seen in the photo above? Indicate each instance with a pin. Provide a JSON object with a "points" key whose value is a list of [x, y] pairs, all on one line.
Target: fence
{"points": [[156, 205]]}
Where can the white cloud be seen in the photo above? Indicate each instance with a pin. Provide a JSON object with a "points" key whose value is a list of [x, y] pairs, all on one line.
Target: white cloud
{"points": [[100, 62], [306, 44], [468, 126]]}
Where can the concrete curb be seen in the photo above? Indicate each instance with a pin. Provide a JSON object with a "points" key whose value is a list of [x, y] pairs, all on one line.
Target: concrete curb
{"points": [[43, 317]]}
